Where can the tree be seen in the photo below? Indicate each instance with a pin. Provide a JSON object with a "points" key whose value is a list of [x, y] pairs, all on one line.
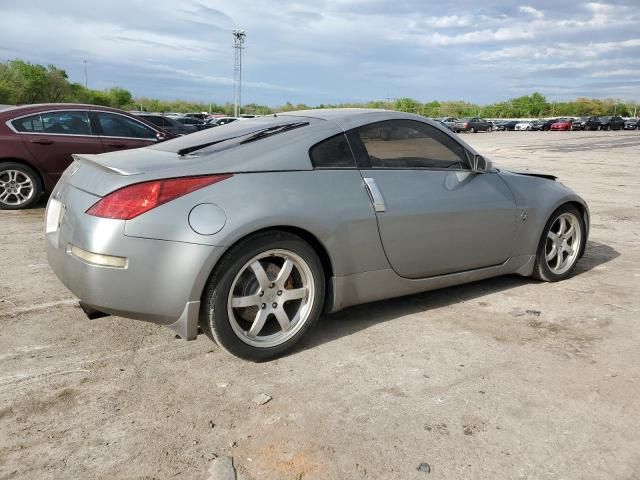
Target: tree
{"points": [[119, 97]]}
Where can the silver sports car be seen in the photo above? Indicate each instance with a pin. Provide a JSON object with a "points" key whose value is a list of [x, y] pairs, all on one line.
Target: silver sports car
{"points": [[249, 231]]}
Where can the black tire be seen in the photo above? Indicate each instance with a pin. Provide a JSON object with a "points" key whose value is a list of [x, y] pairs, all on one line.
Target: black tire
{"points": [[473, 130], [541, 270], [28, 172], [214, 317]]}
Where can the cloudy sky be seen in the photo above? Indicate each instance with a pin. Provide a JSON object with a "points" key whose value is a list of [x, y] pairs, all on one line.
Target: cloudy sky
{"points": [[330, 51]]}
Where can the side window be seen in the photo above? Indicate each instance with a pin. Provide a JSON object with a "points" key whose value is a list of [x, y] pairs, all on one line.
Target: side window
{"points": [[159, 121], [408, 144], [66, 123], [32, 123], [114, 125], [333, 152]]}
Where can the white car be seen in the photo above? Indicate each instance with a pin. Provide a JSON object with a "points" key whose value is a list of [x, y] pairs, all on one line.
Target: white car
{"points": [[523, 126]]}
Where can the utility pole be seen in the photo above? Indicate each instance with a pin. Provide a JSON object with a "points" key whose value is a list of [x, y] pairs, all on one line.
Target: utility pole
{"points": [[238, 45], [86, 83]]}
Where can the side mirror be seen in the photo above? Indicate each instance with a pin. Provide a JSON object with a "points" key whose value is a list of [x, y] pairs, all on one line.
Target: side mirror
{"points": [[480, 164], [161, 136]]}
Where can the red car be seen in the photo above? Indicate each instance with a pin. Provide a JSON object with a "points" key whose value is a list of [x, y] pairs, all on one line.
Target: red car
{"points": [[562, 124], [36, 143]]}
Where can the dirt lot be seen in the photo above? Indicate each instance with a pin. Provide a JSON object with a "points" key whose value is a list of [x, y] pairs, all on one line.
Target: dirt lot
{"points": [[507, 378]]}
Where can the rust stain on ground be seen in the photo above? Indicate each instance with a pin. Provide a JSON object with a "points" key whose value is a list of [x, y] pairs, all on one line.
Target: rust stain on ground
{"points": [[296, 465]]}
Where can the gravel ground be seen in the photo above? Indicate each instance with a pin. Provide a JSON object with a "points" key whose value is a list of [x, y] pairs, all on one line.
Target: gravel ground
{"points": [[505, 378]]}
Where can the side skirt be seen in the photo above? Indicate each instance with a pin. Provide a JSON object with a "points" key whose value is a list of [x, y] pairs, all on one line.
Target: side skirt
{"points": [[382, 284]]}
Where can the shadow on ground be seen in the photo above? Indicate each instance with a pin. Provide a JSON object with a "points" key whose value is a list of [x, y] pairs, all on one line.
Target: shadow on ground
{"points": [[354, 319]]}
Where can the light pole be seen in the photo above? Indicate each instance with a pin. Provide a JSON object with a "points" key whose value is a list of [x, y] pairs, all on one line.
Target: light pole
{"points": [[238, 45], [86, 84]]}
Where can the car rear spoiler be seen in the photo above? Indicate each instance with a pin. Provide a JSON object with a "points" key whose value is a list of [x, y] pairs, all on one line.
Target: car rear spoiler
{"points": [[91, 160]]}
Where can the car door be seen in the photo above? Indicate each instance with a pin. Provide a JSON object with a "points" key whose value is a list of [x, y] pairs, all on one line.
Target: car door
{"points": [[52, 137], [435, 216], [120, 132]]}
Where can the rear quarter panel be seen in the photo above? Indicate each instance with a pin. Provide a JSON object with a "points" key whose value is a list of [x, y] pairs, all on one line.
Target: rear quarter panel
{"points": [[332, 205]]}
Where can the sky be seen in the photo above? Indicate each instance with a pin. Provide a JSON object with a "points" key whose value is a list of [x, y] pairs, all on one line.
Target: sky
{"points": [[331, 51]]}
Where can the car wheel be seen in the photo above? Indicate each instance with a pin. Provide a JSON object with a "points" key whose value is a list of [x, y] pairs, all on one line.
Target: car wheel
{"points": [[473, 130], [20, 186], [560, 245], [264, 295]]}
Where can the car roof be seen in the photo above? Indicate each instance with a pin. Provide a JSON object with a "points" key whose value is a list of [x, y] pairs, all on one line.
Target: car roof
{"points": [[44, 107]]}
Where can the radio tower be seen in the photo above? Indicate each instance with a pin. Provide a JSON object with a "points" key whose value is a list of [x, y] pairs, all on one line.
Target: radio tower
{"points": [[238, 46]]}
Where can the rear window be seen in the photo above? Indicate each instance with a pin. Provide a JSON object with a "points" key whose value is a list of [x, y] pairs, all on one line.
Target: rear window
{"points": [[212, 139], [333, 152]]}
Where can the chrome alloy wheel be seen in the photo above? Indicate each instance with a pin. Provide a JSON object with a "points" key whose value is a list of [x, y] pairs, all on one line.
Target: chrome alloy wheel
{"points": [[563, 243], [271, 298], [16, 187]]}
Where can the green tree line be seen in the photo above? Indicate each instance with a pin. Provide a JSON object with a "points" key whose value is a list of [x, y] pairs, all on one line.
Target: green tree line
{"points": [[23, 82]]}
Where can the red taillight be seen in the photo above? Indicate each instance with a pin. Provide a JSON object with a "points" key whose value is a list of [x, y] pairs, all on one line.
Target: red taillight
{"points": [[466, 125], [133, 200]]}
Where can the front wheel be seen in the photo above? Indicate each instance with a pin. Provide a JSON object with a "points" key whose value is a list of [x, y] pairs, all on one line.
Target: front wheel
{"points": [[473, 130], [561, 245], [265, 294], [20, 186]]}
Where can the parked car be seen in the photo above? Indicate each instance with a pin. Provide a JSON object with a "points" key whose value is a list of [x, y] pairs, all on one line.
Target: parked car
{"points": [[562, 124], [538, 125], [36, 143], [499, 125], [632, 124], [448, 126], [200, 116], [216, 122], [450, 122], [579, 124], [412, 208], [472, 125], [523, 126], [592, 123], [611, 123], [170, 124], [546, 126], [192, 122]]}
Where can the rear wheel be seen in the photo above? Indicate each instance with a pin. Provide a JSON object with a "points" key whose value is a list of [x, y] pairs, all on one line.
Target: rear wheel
{"points": [[473, 130], [560, 246], [20, 186], [265, 294]]}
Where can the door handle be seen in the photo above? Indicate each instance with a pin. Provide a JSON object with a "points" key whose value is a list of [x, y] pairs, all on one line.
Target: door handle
{"points": [[42, 141], [375, 194]]}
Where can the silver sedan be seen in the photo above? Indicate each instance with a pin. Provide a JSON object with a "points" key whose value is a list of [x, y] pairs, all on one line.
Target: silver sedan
{"points": [[250, 231]]}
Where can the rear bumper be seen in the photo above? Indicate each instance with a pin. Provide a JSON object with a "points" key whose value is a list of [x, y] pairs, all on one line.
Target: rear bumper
{"points": [[161, 281]]}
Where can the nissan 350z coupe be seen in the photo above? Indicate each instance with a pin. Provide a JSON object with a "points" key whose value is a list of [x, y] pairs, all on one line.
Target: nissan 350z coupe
{"points": [[249, 231]]}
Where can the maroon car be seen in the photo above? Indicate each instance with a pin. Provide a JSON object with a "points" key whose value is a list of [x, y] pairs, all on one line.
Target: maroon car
{"points": [[36, 143]]}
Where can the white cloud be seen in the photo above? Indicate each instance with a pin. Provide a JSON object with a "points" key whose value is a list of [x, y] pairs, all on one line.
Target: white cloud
{"points": [[532, 11]]}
